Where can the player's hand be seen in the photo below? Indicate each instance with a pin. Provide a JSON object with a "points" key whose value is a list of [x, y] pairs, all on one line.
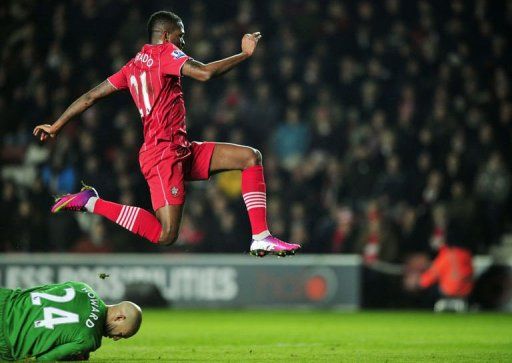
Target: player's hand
{"points": [[249, 42], [44, 132], [411, 282], [78, 357]]}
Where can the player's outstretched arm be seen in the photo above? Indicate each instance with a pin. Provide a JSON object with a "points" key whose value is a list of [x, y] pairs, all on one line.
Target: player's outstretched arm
{"points": [[85, 101], [204, 72], [69, 351]]}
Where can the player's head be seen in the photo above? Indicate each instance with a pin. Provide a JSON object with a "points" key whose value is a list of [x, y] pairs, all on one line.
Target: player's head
{"points": [[166, 27], [123, 320]]}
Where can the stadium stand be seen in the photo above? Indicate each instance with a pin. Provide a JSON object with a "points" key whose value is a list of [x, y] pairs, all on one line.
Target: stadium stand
{"points": [[379, 123]]}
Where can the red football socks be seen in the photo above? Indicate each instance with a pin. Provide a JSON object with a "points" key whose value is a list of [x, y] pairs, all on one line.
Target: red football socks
{"points": [[255, 198], [145, 224], [134, 219]]}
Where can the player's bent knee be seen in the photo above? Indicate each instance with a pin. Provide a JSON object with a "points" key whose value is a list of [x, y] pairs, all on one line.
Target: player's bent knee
{"points": [[259, 157], [254, 157], [167, 240], [168, 236]]}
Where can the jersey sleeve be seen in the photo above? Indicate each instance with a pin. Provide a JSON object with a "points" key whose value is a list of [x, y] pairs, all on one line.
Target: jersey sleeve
{"points": [[118, 80], [172, 60]]}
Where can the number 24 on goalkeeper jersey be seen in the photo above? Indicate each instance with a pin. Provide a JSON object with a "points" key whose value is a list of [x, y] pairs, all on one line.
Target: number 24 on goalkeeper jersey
{"points": [[53, 322]]}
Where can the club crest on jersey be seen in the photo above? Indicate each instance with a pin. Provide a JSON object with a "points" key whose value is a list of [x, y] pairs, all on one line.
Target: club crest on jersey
{"points": [[174, 191], [177, 54]]}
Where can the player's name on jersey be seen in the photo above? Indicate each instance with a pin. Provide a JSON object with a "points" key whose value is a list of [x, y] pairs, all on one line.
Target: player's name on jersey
{"points": [[144, 58], [93, 316]]}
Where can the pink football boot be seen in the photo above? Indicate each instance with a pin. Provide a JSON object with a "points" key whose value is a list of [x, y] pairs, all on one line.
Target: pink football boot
{"points": [[274, 246], [75, 202]]}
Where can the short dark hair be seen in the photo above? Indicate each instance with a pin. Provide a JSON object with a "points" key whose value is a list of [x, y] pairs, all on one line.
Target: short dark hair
{"points": [[165, 19]]}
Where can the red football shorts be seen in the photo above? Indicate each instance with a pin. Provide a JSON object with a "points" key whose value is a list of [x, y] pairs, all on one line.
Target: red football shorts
{"points": [[167, 167]]}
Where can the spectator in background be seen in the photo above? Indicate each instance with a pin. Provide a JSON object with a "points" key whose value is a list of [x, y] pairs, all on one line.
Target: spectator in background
{"points": [[452, 270], [377, 240], [433, 191], [463, 208], [414, 228], [263, 111], [96, 241], [391, 184], [493, 190], [337, 233], [9, 203], [378, 246], [291, 139], [59, 177], [439, 226], [361, 173]]}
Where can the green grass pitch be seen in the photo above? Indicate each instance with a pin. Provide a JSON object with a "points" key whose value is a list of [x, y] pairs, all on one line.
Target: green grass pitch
{"points": [[314, 336]]}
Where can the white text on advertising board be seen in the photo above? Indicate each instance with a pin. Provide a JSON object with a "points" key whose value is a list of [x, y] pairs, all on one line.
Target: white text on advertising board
{"points": [[182, 283]]}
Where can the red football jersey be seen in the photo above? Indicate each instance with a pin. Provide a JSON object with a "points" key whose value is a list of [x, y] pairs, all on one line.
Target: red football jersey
{"points": [[453, 268], [154, 80]]}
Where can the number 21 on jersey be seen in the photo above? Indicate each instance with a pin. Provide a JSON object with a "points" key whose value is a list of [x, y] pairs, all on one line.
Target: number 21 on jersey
{"points": [[146, 109], [53, 316]]}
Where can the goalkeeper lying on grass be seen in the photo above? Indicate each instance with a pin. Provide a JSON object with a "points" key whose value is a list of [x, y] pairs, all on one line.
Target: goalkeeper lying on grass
{"points": [[60, 322]]}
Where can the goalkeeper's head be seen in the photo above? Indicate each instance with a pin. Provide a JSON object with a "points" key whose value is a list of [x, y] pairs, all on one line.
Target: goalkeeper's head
{"points": [[123, 320]]}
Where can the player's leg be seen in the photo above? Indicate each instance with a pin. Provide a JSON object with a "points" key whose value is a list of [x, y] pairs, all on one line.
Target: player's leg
{"points": [[236, 157], [163, 171], [165, 179], [169, 217], [227, 157], [162, 229], [134, 219], [249, 160]]}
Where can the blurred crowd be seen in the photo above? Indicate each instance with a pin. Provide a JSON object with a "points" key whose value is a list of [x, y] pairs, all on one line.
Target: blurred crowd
{"points": [[385, 126]]}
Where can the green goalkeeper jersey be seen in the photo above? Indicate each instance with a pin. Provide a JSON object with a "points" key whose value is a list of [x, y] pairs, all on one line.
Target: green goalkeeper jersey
{"points": [[53, 322]]}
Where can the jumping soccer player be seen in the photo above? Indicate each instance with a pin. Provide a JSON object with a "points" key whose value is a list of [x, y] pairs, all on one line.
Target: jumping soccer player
{"points": [[60, 322], [167, 159]]}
